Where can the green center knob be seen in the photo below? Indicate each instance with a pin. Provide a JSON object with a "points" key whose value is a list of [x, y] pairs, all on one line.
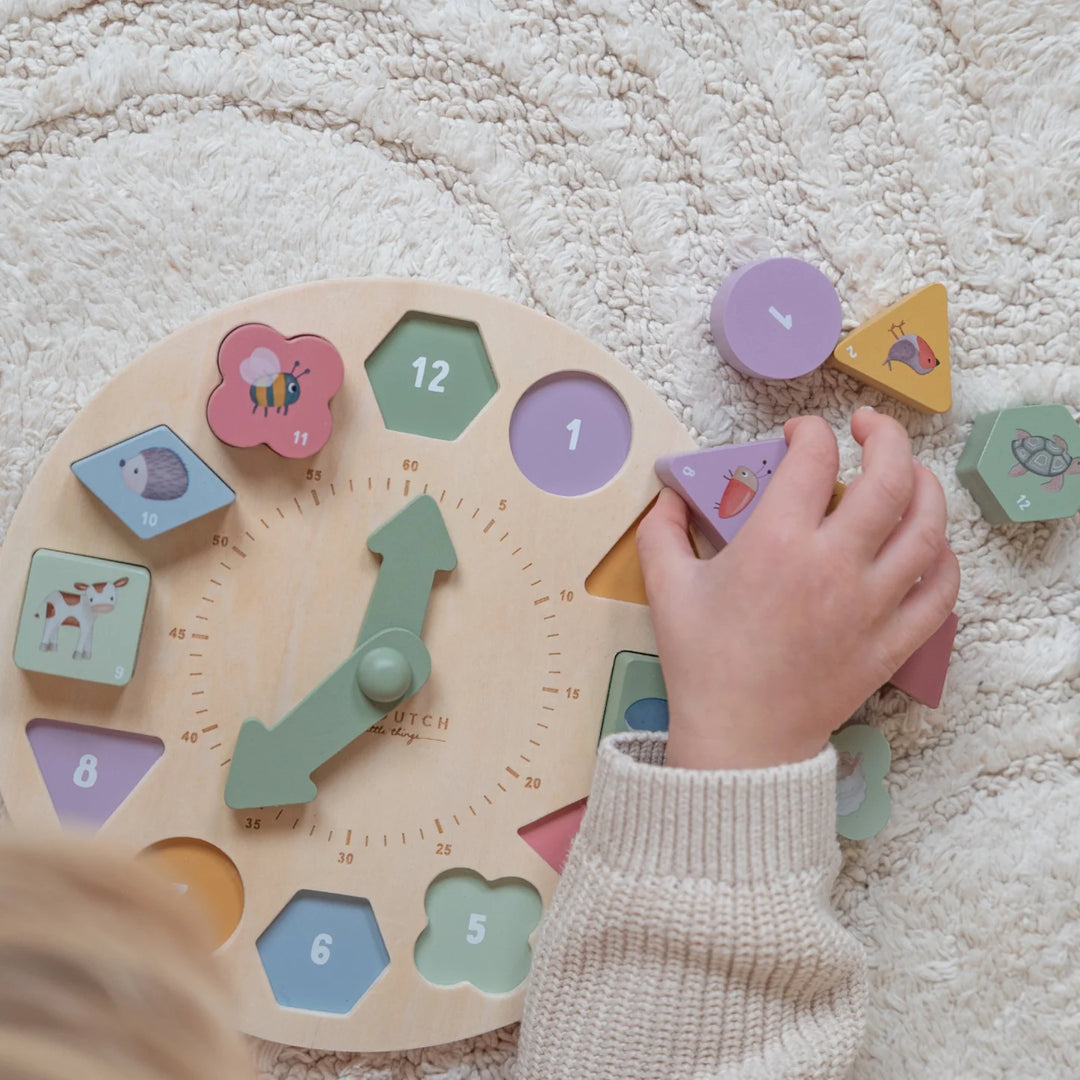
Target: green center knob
{"points": [[384, 675]]}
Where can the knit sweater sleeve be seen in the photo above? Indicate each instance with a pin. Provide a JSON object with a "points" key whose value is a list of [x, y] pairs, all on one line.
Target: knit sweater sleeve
{"points": [[691, 935]]}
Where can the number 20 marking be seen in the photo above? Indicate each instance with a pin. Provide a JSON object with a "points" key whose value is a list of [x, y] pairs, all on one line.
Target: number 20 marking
{"points": [[441, 369]]}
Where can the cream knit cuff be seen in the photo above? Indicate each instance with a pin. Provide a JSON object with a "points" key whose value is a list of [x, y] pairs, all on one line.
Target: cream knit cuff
{"points": [[740, 826]]}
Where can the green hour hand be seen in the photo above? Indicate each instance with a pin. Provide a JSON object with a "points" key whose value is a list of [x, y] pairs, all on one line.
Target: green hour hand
{"points": [[272, 766]]}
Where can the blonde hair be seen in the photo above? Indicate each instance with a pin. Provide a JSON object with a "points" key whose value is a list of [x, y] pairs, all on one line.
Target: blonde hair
{"points": [[103, 975]]}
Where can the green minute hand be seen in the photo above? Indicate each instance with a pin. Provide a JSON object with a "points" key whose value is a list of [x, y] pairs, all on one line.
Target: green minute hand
{"points": [[273, 766]]}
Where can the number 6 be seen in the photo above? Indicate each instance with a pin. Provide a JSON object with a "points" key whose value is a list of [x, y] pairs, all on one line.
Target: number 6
{"points": [[320, 952]]}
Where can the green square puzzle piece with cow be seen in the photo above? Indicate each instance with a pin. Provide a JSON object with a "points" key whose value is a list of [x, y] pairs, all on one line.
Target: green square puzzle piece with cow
{"points": [[82, 617]]}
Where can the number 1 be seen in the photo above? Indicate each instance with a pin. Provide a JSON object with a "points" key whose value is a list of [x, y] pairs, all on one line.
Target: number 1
{"points": [[574, 427]]}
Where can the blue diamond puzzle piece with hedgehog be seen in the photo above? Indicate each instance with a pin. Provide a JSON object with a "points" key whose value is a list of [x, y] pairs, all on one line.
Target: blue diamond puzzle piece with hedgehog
{"points": [[153, 482]]}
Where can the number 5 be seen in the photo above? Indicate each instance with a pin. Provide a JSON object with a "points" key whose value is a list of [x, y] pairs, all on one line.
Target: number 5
{"points": [[476, 929]]}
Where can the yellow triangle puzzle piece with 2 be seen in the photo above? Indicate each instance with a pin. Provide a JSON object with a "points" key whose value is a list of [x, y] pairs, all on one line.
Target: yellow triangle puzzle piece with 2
{"points": [[904, 351]]}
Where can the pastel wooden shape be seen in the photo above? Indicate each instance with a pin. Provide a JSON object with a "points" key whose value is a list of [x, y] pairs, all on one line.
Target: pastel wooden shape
{"points": [[904, 351], [275, 390], [551, 836], [81, 617], [618, 575], [431, 376], [776, 318], [89, 771], [922, 675], [1023, 464], [153, 482], [721, 485], [863, 806], [205, 877], [477, 931], [570, 433], [323, 951], [637, 696]]}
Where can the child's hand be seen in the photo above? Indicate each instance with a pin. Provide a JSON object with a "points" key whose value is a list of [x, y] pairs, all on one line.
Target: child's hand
{"points": [[770, 646]]}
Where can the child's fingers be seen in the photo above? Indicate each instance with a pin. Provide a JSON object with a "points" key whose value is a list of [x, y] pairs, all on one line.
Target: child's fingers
{"points": [[928, 603], [663, 542], [878, 498], [804, 480], [917, 541]]}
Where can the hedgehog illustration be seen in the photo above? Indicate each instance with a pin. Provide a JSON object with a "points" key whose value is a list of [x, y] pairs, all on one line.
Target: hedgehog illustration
{"points": [[155, 473]]}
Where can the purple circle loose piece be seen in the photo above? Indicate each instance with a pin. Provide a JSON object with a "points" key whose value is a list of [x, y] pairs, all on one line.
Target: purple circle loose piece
{"points": [[570, 433], [776, 318]]}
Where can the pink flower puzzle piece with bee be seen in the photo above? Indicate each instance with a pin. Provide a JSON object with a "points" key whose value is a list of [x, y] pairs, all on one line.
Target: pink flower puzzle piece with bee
{"points": [[722, 485], [275, 390]]}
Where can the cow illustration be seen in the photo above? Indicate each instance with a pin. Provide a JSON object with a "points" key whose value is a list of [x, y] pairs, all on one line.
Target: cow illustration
{"points": [[81, 608]]}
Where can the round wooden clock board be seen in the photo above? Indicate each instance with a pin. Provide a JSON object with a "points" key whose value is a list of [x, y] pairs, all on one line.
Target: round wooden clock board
{"points": [[306, 622]]}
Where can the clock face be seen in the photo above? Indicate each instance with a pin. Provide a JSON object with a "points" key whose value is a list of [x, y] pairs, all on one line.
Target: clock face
{"points": [[374, 552]]}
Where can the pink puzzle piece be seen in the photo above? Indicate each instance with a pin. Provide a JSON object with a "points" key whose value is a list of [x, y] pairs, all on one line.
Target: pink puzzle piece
{"points": [[551, 836], [923, 674], [275, 390], [721, 485]]}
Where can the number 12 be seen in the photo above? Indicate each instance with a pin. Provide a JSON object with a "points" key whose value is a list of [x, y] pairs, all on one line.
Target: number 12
{"points": [[441, 369]]}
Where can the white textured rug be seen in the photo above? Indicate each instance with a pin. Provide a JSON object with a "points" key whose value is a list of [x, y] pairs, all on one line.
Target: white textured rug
{"points": [[606, 162]]}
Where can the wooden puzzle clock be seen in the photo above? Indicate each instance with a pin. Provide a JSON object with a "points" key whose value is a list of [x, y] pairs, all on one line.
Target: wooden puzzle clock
{"points": [[306, 622]]}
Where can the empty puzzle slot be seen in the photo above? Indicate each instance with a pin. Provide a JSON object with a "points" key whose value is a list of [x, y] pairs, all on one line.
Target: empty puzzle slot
{"points": [[477, 931], [89, 771], [431, 376], [323, 952]]}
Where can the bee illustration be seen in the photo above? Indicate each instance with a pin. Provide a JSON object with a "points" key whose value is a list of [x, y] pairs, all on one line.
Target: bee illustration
{"points": [[742, 486], [271, 388], [912, 350]]}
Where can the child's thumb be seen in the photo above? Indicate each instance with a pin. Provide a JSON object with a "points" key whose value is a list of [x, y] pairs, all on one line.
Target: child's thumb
{"points": [[663, 542]]}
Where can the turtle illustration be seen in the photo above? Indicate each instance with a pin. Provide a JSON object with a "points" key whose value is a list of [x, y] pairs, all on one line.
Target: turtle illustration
{"points": [[1043, 457]]}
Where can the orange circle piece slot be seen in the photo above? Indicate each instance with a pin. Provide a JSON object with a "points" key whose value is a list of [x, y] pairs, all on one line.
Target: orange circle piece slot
{"points": [[204, 874]]}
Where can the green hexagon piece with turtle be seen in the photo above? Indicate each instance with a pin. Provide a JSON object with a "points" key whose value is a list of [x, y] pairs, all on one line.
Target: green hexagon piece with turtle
{"points": [[1023, 464]]}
